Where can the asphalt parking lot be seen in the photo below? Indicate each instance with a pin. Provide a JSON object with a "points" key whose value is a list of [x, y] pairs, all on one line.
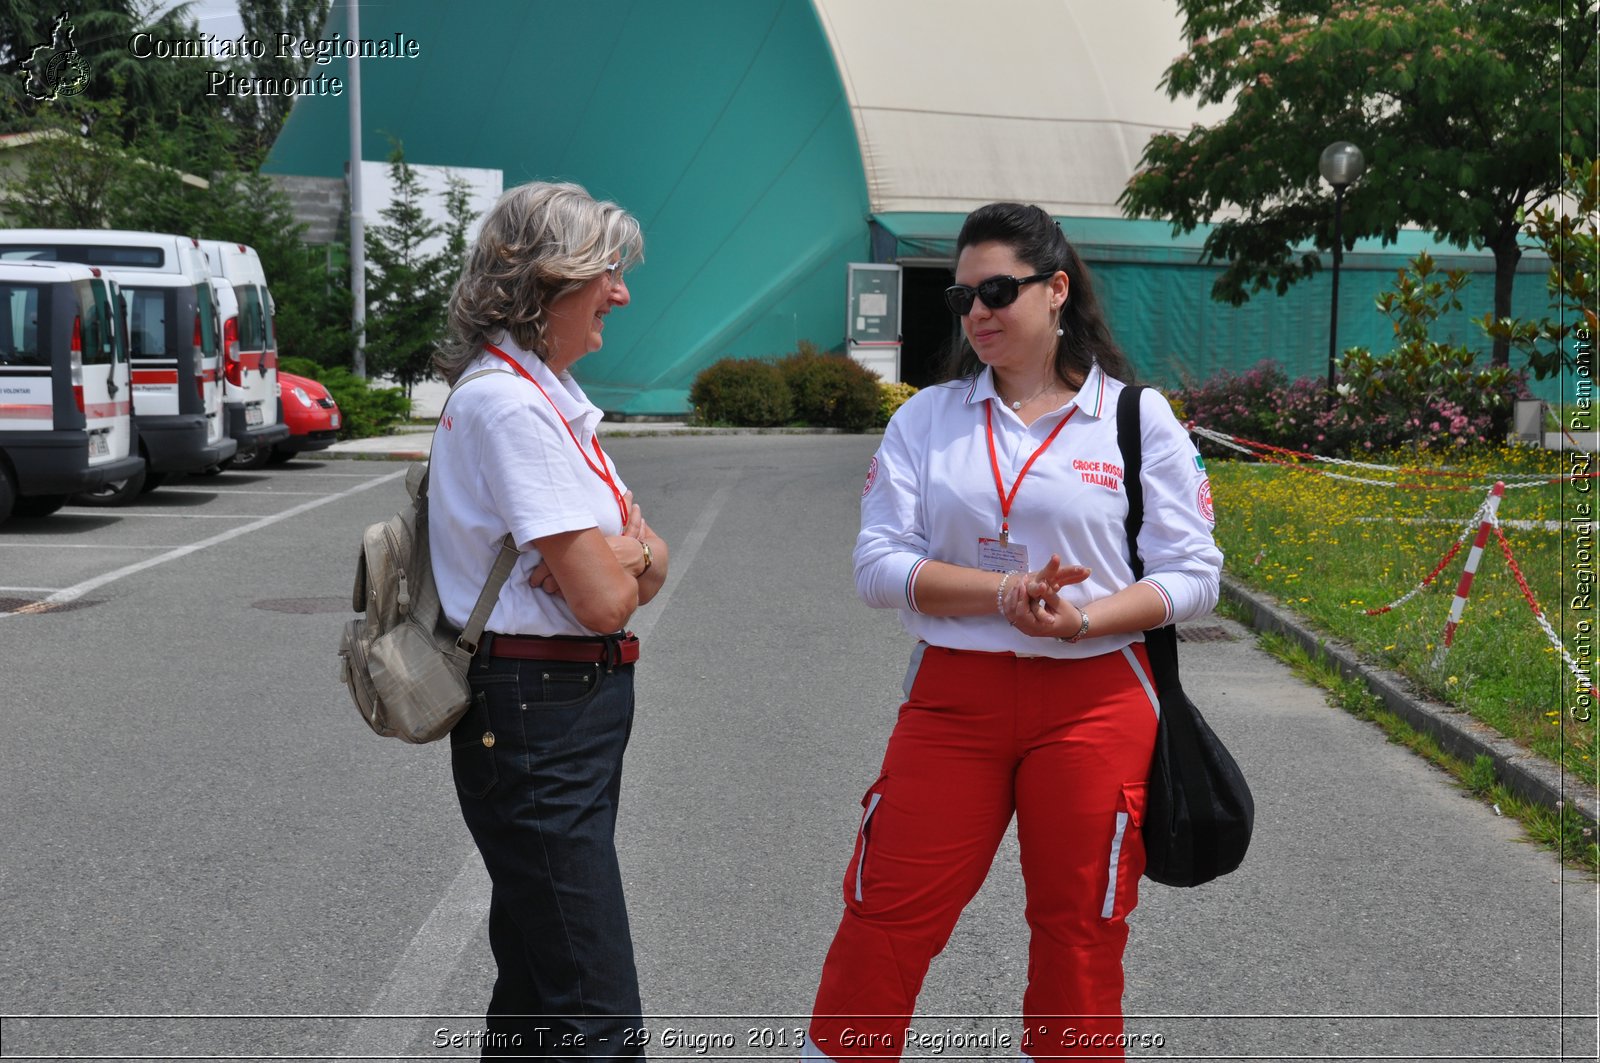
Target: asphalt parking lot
{"points": [[207, 854]]}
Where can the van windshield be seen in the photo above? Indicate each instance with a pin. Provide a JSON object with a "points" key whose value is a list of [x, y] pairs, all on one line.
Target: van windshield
{"points": [[19, 325]]}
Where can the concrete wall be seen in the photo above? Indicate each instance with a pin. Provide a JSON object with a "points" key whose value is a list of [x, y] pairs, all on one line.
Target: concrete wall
{"points": [[318, 202]]}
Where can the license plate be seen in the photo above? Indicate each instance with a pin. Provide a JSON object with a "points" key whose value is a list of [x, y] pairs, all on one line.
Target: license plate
{"points": [[333, 421], [252, 415], [99, 445]]}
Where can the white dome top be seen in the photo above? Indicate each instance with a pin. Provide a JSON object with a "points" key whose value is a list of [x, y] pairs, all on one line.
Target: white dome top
{"points": [[958, 104]]}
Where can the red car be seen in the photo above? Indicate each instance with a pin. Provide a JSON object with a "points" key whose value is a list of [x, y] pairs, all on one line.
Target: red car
{"points": [[312, 417]]}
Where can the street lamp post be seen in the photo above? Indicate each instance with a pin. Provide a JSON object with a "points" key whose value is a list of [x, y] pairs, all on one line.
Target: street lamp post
{"points": [[1341, 164]]}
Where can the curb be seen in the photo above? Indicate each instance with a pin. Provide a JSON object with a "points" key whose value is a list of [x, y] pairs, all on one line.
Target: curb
{"points": [[414, 445], [1525, 774]]}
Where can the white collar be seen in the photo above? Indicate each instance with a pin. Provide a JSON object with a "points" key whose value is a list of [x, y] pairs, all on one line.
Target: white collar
{"points": [[562, 389], [1091, 397]]}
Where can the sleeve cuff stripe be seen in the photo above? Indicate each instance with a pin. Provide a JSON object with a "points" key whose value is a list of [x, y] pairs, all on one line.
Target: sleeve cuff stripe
{"points": [[911, 580], [1165, 598]]}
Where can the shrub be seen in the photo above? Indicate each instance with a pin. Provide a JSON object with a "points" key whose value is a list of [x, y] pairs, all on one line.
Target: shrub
{"points": [[1423, 395], [1235, 404], [831, 390], [741, 391], [364, 410], [890, 398]]}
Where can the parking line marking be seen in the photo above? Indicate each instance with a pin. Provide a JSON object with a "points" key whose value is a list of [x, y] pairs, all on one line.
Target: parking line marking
{"points": [[436, 948], [31, 590], [233, 491], [85, 546], [78, 590], [188, 516]]}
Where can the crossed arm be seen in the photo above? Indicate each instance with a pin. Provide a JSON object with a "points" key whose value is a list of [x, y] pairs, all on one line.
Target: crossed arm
{"points": [[603, 578]]}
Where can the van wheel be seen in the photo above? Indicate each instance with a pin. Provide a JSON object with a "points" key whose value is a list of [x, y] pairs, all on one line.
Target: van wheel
{"points": [[115, 493], [252, 459], [38, 505], [8, 494]]}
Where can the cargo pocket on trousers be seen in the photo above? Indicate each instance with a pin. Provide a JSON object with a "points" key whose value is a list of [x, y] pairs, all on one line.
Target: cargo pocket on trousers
{"points": [[856, 874], [1126, 861], [472, 742]]}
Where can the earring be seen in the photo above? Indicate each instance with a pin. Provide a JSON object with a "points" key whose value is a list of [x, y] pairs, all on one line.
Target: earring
{"points": [[1060, 331]]}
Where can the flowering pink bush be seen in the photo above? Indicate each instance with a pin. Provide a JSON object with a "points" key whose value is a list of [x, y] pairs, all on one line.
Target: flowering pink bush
{"points": [[1422, 395]]}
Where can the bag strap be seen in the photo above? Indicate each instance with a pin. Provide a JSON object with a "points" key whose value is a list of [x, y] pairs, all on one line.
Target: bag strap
{"points": [[472, 634], [1161, 644], [1131, 443]]}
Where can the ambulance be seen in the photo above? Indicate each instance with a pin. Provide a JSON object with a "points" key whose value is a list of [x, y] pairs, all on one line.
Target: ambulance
{"points": [[187, 417], [66, 409], [249, 342]]}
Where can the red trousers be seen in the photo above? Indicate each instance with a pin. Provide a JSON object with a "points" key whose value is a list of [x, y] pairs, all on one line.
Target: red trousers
{"points": [[1065, 745]]}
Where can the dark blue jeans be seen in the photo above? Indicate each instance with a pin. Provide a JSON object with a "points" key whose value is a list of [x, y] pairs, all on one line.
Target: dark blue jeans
{"points": [[537, 761]]}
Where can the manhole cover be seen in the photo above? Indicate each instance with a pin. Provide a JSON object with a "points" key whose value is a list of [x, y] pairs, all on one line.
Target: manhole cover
{"points": [[304, 605], [35, 606], [1206, 634]]}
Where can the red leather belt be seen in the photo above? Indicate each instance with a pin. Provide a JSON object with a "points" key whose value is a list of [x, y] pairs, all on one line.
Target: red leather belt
{"points": [[609, 650]]}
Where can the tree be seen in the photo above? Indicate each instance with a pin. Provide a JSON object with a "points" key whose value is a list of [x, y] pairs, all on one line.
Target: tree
{"points": [[78, 181], [1462, 110], [152, 95], [406, 285], [262, 117], [1572, 240]]}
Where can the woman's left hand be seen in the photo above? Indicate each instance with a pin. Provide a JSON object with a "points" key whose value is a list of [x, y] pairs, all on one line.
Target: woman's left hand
{"points": [[1033, 603], [627, 548]]}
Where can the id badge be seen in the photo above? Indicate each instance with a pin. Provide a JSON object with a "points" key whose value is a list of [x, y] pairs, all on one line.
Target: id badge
{"points": [[996, 556]]}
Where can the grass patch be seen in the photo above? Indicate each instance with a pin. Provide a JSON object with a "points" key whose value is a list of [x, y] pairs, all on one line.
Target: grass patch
{"points": [[1564, 833], [1329, 549]]}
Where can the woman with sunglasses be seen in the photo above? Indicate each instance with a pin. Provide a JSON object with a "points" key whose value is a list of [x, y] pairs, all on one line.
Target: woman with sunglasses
{"points": [[992, 518], [537, 758]]}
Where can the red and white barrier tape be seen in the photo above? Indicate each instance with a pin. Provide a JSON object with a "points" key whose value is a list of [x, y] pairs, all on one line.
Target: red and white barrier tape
{"points": [[1427, 580], [1464, 587], [1538, 614], [1266, 451]]}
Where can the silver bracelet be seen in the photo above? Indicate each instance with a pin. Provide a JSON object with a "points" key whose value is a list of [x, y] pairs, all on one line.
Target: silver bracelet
{"points": [[1083, 629], [1000, 594]]}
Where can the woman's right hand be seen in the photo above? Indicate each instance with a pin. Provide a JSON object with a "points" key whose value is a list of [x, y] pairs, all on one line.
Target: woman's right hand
{"points": [[1033, 603]]}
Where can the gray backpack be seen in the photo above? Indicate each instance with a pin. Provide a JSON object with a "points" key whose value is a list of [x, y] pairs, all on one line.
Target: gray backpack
{"points": [[406, 667]]}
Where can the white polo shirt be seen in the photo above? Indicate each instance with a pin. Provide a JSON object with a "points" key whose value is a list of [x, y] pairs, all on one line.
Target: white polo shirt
{"points": [[930, 495], [502, 461]]}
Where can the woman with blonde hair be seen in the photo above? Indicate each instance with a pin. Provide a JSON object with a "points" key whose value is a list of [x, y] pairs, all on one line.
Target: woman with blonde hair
{"points": [[537, 759]]}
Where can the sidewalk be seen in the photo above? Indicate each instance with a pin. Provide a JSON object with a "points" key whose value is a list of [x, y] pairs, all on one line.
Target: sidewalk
{"points": [[414, 445]]}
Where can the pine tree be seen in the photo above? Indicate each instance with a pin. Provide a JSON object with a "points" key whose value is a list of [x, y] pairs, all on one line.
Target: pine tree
{"points": [[405, 308]]}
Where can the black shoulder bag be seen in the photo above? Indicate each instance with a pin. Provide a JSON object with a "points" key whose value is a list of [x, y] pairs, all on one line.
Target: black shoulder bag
{"points": [[1198, 808]]}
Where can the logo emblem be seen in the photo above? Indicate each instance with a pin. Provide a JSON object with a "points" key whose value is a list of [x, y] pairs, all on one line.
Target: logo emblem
{"points": [[56, 69], [1204, 500], [872, 475]]}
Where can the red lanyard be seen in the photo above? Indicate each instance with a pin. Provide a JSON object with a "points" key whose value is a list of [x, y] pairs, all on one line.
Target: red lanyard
{"points": [[994, 464], [600, 470]]}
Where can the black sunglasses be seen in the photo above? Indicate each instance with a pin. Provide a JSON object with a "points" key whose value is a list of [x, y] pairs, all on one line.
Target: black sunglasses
{"points": [[997, 291]]}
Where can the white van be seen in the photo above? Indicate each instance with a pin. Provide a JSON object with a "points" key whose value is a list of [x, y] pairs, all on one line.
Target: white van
{"points": [[166, 280], [66, 407], [249, 340]]}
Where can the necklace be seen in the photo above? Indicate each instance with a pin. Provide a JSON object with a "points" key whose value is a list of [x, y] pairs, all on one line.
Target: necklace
{"points": [[1017, 404]]}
